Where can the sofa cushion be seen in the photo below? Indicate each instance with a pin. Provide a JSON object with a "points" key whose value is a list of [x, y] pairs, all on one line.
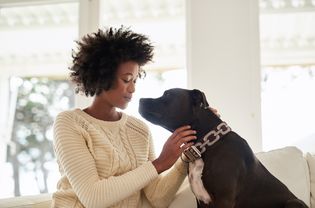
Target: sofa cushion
{"points": [[311, 164], [34, 201], [290, 167]]}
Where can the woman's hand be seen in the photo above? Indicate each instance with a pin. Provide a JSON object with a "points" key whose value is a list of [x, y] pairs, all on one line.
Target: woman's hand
{"points": [[180, 140], [215, 111]]}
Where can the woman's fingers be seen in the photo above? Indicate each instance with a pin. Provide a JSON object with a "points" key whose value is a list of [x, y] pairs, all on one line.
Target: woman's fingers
{"points": [[215, 111], [181, 129], [184, 140], [182, 136], [180, 140], [187, 145]]}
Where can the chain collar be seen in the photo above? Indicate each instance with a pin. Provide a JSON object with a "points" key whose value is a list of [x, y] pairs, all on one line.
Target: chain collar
{"points": [[195, 151]]}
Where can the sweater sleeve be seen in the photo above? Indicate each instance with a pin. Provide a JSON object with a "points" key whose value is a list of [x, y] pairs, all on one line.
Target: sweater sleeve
{"points": [[162, 190], [80, 169]]}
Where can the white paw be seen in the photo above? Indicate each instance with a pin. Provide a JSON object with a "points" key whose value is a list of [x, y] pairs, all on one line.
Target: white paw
{"points": [[194, 176]]}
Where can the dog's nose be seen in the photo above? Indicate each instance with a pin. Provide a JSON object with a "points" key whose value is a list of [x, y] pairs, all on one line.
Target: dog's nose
{"points": [[141, 103]]}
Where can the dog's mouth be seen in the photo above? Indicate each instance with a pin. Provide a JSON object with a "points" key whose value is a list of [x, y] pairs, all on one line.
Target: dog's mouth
{"points": [[150, 116], [156, 116], [146, 112]]}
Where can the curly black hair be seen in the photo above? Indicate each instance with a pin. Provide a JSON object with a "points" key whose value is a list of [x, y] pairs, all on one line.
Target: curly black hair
{"points": [[99, 54]]}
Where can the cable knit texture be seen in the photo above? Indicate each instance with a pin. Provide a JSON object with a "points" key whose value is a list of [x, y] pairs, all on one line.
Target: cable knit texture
{"points": [[108, 164]]}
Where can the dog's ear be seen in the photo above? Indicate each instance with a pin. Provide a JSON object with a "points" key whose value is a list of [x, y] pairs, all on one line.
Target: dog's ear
{"points": [[200, 99]]}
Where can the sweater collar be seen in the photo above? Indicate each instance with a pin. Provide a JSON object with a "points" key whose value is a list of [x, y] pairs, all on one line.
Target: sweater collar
{"points": [[108, 124]]}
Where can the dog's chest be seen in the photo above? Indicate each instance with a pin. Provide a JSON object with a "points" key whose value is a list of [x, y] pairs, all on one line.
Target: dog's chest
{"points": [[196, 184]]}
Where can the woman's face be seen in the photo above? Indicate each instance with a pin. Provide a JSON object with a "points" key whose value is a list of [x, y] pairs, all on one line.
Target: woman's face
{"points": [[120, 94]]}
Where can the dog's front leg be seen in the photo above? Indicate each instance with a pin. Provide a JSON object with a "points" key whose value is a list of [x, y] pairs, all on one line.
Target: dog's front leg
{"points": [[194, 176]]}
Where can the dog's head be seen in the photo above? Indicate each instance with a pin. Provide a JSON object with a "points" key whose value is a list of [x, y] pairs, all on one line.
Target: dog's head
{"points": [[175, 108]]}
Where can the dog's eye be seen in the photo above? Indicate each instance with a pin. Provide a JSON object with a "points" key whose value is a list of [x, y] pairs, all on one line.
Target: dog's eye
{"points": [[167, 94]]}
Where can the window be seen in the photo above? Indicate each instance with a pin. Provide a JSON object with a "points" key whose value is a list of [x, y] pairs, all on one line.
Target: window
{"points": [[288, 67], [288, 102], [36, 39], [35, 103]]}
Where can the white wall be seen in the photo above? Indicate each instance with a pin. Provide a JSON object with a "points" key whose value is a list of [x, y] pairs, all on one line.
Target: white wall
{"points": [[223, 61]]}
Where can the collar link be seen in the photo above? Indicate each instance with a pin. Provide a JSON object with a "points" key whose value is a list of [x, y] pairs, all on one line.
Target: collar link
{"points": [[194, 152]]}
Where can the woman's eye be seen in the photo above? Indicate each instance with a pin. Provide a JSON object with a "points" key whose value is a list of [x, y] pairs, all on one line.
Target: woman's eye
{"points": [[126, 80], [129, 80]]}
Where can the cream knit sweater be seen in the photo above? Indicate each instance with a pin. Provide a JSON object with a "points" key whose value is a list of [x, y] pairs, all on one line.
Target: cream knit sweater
{"points": [[108, 164]]}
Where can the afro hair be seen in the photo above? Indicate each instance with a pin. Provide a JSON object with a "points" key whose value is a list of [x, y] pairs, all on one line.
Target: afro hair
{"points": [[99, 54]]}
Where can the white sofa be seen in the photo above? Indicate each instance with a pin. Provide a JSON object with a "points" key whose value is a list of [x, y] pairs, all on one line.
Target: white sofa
{"points": [[290, 165]]}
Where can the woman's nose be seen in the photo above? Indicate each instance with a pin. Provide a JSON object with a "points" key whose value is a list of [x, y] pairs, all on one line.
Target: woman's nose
{"points": [[132, 87]]}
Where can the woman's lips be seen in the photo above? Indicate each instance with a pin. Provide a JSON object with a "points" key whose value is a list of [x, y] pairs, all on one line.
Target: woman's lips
{"points": [[128, 98]]}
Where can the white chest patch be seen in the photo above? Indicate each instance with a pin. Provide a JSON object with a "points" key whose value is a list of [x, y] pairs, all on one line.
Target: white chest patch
{"points": [[194, 176]]}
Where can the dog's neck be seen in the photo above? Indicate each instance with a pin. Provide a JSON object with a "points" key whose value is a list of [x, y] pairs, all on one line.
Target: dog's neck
{"points": [[202, 117]]}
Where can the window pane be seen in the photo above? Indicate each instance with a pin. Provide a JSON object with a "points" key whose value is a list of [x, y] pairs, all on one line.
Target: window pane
{"points": [[30, 152], [36, 42], [37, 38], [288, 66], [288, 102]]}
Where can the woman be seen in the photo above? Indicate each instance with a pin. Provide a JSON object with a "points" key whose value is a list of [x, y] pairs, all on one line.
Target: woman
{"points": [[106, 158]]}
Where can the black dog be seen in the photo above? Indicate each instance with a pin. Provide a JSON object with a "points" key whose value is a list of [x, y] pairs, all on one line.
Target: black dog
{"points": [[232, 177]]}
